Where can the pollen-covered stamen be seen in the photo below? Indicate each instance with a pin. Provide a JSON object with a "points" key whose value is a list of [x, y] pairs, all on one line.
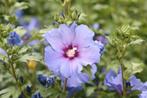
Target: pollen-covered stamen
{"points": [[71, 52]]}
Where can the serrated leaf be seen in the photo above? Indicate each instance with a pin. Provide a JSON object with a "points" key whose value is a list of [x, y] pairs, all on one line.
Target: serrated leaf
{"points": [[138, 41], [87, 70], [133, 67], [20, 30], [21, 5], [34, 56], [90, 90], [10, 91]]}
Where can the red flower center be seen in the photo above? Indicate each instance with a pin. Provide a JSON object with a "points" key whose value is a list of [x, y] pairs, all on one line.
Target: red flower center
{"points": [[71, 52]]}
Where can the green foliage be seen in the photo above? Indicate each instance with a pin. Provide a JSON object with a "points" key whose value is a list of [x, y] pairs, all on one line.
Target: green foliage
{"points": [[133, 67], [123, 21]]}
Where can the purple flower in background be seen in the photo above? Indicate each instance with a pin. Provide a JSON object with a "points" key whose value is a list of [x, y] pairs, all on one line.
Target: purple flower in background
{"points": [[26, 37], [34, 42], [71, 48], [3, 52], [28, 26], [29, 89], [32, 25], [37, 95], [73, 90], [78, 79], [19, 14], [143, 94], [102, 41], [136, 84], [114, 81], [96, 26], [46, 81], [14, 39]]}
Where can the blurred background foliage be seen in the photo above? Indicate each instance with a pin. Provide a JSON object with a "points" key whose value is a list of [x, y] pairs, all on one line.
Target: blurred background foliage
{"points": [[108, 15]]}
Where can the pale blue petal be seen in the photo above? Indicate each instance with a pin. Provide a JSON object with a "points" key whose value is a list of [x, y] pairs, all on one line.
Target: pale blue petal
{"points": [[67, 34], [90, 55], [84, 36], [143, 94], [136, 83], [34, 24], [53, 60], [73, 26], [65, 70], [34, 42], [108, 79], [74, 81], [114, 81], [3, 52], [93, 70], [54, 38]]}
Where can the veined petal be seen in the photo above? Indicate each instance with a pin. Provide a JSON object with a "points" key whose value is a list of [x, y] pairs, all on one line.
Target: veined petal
{"points": [[70, 68], [74, 81], [55, 39], [83, 77], [114, 81], [3, 52], [93, 70], [136, 83], [65, 70], [73, 26], [108, 79], [34, 24], [53, 59], [75, 66], [143, 94], [84, 36], [90, 55], [66, 33]]}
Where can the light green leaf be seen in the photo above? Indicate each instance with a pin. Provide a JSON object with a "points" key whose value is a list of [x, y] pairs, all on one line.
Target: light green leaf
{"points": [[133, 67], [34, 56], [138, 41], [90, 90]]}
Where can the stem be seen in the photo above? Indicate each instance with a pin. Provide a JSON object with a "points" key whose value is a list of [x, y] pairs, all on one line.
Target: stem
{"points": [[5, 65], [14, 73], [65, 84], [124, 82], [66, 5], [120, 57], [123, 78], [15, 77]]}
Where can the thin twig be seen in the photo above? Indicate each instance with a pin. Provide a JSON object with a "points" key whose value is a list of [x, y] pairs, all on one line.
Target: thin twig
{"points": [[65, 84]]}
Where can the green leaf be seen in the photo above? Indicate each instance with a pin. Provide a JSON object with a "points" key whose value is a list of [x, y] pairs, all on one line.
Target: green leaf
{"points": [[133, 67], [34, 56], [21, 5], [100, 7], [10, 91], [87, 69], [136, 42], [20, 30], [134, 93], [90, 90]]}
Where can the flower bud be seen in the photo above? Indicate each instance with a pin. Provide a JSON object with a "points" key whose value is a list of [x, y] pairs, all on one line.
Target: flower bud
{"points": [[32, 64]]}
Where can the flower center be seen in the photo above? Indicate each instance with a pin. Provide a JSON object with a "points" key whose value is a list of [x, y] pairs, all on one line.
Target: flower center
{"points": [[71, 52]]}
